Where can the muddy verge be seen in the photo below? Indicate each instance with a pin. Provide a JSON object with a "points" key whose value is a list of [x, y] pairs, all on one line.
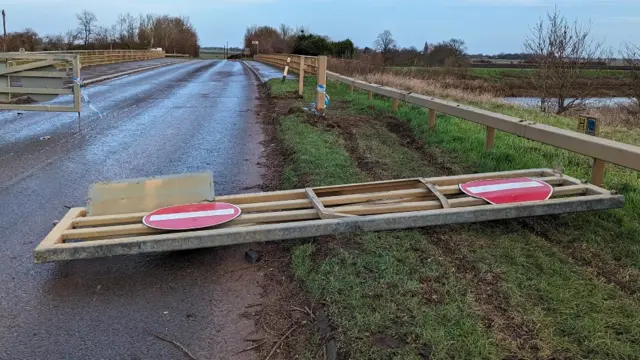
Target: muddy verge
{"points": [[494, 307], [285, 318]]}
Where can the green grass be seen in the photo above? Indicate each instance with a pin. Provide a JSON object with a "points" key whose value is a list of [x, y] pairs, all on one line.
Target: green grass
{"points": [[579, 316], [214, 54], [416, 287], [311, 151], [378, 291], [208, 56], [500, 73], [465, 140]]}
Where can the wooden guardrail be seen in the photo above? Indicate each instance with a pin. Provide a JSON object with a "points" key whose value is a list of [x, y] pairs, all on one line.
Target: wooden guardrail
{"points": [[601, 150]]}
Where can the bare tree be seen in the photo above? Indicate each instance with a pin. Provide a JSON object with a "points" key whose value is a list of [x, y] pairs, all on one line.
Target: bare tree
{"points": [[287, 35], [386, 45], [104, 37], [563, 52], [70, 38], [127, 30], [86, 24], [631, 56], [145, 30], [53, 42]]}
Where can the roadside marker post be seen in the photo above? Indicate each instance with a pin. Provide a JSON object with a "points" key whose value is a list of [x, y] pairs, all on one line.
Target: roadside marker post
{"points": [[286, 69]]}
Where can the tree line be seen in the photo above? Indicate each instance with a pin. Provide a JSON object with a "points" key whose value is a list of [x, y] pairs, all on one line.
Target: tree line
{"points": [[172, 33], [285, 39], [385, 51], [300, 41]]}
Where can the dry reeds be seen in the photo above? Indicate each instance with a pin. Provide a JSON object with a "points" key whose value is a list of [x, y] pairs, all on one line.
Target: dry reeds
{"points": [[443, 88]]}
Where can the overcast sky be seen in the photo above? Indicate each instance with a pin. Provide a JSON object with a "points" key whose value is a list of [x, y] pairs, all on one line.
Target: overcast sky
{"points": [[488, 26]]}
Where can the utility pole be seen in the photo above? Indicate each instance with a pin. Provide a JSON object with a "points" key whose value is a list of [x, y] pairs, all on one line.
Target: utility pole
{"points": [[227, 50], [4, 25]]}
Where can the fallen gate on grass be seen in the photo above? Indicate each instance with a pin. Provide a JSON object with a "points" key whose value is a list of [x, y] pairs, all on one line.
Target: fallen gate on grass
{"points": [[112, 224], [41, 77]]}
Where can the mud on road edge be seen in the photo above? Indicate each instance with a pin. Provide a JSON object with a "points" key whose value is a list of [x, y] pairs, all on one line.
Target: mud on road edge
{"points": [[286, 319]]}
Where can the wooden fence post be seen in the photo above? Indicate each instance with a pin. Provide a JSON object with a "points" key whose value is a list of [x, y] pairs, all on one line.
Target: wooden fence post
{"points": [[322, 83], [597, 172], [432, 119], [395, 105], [301, 76], [351, 89], [370, 96], [491, 133]]}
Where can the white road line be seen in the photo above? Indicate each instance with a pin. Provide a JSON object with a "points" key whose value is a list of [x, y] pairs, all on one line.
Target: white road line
{"points": [[189, 215], [509, 186]]}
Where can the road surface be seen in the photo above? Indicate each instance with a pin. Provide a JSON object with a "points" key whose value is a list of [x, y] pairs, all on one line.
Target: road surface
{"points": [[187, 117]]}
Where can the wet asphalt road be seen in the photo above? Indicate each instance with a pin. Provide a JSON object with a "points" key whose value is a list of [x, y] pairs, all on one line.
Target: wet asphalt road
{"points": [[188, 117]]}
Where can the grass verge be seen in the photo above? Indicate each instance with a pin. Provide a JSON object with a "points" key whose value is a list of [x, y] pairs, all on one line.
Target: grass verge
{"points": [[536, 288]]}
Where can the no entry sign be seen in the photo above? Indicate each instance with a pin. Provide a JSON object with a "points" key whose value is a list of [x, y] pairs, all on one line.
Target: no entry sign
{"points": [[191, 216], [506, 191]]}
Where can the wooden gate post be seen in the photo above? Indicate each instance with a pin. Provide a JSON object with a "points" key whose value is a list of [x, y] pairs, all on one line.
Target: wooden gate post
{"points": [[597, 172], [432, 119], [322, 83], [491, 133], [301, 76], [76, 88]]}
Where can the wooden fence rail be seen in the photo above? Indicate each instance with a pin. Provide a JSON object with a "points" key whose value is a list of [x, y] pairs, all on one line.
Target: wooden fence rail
{"points": [[102, 57], [601, 150]]}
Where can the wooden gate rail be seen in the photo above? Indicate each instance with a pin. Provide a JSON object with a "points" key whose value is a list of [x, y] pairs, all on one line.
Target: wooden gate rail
{"points": [[601, 150]]}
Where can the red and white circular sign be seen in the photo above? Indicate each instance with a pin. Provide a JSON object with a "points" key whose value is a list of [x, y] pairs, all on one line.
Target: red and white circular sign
{"points": [[508, 191], [191, 216]]}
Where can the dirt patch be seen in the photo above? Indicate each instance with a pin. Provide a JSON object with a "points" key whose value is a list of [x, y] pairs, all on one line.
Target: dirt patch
{"points": [[285, 318], [348, 125], [387, 342], [442, 163], [22, 100], [274, 152]]}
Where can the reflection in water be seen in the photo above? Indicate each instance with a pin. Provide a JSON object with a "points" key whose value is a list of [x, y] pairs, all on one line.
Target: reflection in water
{"points": [[593, 102]]}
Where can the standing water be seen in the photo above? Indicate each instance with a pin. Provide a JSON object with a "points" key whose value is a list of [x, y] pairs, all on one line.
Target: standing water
{"points": [[592, 102]]}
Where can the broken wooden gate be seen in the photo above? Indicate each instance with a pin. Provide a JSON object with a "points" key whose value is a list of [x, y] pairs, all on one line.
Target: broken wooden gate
{"points": [[303, 213], [40, 78]]}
